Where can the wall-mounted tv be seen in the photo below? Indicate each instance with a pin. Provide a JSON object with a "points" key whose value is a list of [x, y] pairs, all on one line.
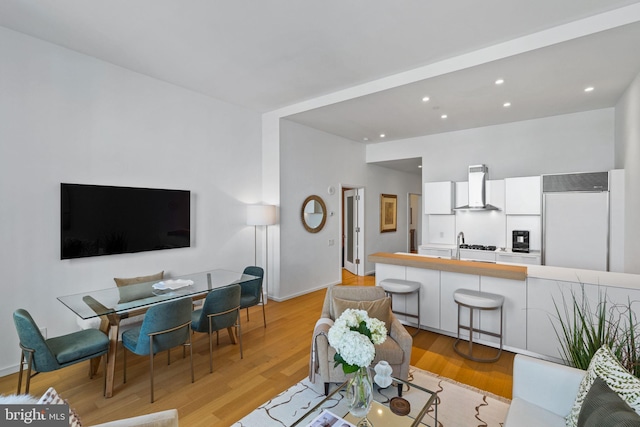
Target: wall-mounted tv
{"points": [[105, 220]]}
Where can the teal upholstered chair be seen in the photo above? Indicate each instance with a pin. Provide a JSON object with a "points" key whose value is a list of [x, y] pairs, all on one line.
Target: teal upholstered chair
{"points": [[252, 292], [45, 355], [221, 309], [165, 326]]}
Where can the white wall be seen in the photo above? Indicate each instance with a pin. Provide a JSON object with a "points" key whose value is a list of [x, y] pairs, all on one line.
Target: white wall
{"points": [[67, 117], [310, 162], [628, 157], [568, 143]]}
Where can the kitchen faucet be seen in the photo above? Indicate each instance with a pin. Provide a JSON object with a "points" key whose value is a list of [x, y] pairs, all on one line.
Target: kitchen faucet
{"points": [[460, 236]]}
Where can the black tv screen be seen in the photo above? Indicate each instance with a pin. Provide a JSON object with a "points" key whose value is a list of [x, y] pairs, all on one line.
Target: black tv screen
{"points": [[105, 220]]}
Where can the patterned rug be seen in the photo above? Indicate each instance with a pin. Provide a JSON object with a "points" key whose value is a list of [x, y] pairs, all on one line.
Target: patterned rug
{"points": [[459, 405]]}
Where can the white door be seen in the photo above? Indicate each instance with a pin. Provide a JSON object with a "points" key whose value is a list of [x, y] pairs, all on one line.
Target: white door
{"points": [[353, 242]]}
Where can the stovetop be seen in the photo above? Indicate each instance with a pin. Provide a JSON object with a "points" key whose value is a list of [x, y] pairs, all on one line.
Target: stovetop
{"points": [[478, 247]]}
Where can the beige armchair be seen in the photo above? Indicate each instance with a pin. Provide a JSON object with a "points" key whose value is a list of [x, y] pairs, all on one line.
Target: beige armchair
{"points": [[396, 349]]}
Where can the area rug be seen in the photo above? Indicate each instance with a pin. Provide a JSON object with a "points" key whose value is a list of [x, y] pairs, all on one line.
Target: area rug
{"points": [[459, 405]]}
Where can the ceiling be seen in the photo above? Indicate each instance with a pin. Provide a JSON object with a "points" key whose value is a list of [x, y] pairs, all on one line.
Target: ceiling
{"points": [[266, 55]]}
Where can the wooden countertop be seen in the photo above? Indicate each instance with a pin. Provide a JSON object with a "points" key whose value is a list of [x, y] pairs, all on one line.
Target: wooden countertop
{"points": [[513, 272]]}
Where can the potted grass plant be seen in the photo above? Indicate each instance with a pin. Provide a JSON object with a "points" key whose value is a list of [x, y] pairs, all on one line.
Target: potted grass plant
{"points": [[582, 329]]}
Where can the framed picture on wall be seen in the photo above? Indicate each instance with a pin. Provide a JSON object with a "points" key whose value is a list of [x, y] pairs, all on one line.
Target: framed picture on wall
{"points": [[388, 213]]}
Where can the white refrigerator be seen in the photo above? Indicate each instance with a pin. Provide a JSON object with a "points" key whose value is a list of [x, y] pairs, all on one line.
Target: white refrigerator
{"points": [[576, 229]]}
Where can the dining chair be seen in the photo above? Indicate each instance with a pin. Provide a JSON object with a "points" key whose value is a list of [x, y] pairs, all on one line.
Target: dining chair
{"points": [[252, 291], [45, 355], [164, 327], [221, 309]]}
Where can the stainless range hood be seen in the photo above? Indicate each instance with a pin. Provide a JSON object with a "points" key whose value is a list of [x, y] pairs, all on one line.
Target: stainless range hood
{"points": [[478, 190]]}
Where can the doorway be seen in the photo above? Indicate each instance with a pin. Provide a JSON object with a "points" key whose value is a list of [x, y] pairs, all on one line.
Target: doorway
{"points": [[353, 230], [414, 212]]}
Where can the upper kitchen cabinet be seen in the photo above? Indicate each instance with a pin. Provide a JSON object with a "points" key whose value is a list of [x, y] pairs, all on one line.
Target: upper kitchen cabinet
{"points": [[438, 198], [523, 195]]}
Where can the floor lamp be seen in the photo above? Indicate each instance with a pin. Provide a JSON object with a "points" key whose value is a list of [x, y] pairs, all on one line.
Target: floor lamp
{"points": [[261, 215]]}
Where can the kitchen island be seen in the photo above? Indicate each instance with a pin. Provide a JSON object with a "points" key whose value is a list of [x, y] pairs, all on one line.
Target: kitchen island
{"points": [[480, 268], [531, 294]]}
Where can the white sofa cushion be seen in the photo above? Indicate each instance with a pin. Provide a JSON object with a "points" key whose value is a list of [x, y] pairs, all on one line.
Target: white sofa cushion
{"points": [[525, 414], [543, 392], [168, 418]]}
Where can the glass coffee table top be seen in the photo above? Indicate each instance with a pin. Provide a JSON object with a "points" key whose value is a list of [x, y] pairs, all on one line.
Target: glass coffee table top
{"points": [[422, 402]]}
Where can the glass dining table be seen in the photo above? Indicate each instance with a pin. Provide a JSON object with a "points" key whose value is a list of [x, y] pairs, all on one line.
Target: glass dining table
{"points": [[117, 303]]}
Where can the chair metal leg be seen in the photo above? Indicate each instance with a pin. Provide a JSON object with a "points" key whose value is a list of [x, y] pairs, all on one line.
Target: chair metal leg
{"points": [[124, 365], [29, 366], [21, 370], [264, 316], [151, 364], [190, 358], [240, 334], [211, 350]]}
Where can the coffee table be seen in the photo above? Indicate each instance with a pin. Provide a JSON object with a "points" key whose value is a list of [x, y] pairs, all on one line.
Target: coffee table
{"points": [[423, 402]]}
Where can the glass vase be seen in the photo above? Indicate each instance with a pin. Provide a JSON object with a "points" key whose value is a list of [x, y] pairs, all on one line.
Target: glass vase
{"points": [[360, 394]]}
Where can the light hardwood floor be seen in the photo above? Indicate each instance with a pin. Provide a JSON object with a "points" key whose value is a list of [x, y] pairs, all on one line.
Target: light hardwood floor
{"points": [[275, 358]]}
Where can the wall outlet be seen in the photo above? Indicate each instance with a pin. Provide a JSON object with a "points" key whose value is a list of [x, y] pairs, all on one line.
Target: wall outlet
{"points": [[441, 234], [332, 242], [43, 331]]}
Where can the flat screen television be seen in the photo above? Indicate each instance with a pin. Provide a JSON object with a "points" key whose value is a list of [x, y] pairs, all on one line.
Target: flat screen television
{"points": [[105, 220]]}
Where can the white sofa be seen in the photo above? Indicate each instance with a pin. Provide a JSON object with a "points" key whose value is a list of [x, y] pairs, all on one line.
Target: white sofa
{"points": [[168, 418], [543, 392]]}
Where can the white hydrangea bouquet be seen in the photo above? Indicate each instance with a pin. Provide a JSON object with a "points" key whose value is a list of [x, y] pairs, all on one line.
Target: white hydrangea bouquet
{"points": [[353, 336]]}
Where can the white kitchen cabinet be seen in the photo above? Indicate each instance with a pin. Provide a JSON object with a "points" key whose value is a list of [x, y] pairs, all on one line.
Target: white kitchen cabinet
{"points": [[438, 197], [523, 195], [519, 258], [436, 252], [477, 255]]}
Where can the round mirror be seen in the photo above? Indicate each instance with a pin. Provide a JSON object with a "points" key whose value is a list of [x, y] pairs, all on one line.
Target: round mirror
{"points": [[314, 214]]}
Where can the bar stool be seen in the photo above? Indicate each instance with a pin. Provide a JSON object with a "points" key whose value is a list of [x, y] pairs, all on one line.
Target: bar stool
{"points": [[403, 287], [475, 300]]}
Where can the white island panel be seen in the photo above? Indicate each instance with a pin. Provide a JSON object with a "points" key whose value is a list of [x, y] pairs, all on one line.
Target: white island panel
{"points": [[514, 311], [429, 295]]}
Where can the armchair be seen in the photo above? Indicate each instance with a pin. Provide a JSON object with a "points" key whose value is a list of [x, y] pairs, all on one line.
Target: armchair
{"points": [[396, 350]]}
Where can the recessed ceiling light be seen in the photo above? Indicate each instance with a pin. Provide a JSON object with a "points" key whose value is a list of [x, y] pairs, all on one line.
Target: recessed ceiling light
{"points": [[506, 104], [365, 139], [499, 81], [444, 116], [589, 89], [419, 166], [382, 135], [425, 99]]}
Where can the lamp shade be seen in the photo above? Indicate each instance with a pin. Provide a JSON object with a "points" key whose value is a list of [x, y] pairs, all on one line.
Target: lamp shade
{"points": [[261, 214]]}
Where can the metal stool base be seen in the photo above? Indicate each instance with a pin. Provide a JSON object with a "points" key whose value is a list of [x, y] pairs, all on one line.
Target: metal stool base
{"points": [[469, 354], [415, 316]]}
